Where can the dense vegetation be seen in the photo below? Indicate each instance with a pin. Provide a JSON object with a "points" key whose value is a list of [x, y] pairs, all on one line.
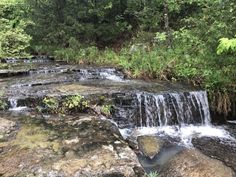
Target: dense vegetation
{"points": [[188, 40]]}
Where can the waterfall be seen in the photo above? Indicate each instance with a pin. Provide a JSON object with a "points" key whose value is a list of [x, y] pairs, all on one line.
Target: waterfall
{"points": [[179, 115], [173, 108], [13, 103]]}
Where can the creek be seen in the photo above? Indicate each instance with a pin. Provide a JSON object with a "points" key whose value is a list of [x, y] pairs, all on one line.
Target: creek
{"points": [[177, 114]]}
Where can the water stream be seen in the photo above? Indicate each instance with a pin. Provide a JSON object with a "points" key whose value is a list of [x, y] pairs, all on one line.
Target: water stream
{"points": [[181, 116], [175, 112]]}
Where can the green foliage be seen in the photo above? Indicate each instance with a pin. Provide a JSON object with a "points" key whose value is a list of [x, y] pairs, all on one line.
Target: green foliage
{"points": [[13, 39], [75, 102], [82, 55], [51, 104], [85, 21], [106, 109], [191, 40], [13, 43], [4, 66], [66, 105], [226, 46], [3, 105], [153, 174]]}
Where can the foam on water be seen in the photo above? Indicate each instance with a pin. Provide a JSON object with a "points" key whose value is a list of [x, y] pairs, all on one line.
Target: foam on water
{"points": [[110, 74], [18, 109], [107, 73], [184, 133], [112, 77]]}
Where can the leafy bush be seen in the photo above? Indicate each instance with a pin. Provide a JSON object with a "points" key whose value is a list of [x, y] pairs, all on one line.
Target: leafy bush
{"points": [[13, 43], [106, 109], [3, 105], [13, 39], [51, 104], [226, 46], [76, 102], [73, 104], [66, 105], [4, 66]]}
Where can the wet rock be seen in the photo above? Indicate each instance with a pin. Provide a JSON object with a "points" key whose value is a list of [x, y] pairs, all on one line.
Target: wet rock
{"points": [[155, 164], [10, 73], [104, 161], [100, 151], [150, 145], [218, 149], [82, 146], [195, 164], [6, 126], [28, 150], [16, 161]]}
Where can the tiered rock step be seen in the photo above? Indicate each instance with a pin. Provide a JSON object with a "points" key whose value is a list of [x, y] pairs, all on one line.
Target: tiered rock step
{"points": [[135, 103]]}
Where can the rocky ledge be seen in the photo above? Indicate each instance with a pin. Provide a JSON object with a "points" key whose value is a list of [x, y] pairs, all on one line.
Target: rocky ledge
{"points": [[67, 146]]}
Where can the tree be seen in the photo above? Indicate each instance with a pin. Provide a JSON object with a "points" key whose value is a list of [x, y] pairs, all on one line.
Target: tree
{"points": [[13, 39]]}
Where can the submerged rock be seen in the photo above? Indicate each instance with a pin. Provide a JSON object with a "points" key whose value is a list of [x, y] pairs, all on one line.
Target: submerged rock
{"points": [[193, 163], [149, 145]]}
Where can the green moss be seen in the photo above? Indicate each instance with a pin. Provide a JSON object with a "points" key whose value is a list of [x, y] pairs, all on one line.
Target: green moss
{"points": [[32, 136]]}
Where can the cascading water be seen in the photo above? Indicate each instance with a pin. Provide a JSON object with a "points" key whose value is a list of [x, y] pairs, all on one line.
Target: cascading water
{"points": [[182, 115], [173, 108], [105, 73], [14, 105]]}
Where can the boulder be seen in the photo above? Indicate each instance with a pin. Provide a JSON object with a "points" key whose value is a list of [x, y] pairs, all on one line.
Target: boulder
{"points": [[193, 163], [107, 160], [79, 146], [98, 150], [149, 145], [218, 149]]}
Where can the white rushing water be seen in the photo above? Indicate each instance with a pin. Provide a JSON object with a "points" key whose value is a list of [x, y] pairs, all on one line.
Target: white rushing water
{"points": [[179, 108], [182, 116], [111, 76], [14, 105], [107, 73], [185, 133]]}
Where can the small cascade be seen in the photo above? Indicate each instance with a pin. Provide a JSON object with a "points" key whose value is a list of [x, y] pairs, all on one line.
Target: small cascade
{"points": [[85, 74], [47, 70], [112, 74], [101, 73], [173, 108], [14, 105]]}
